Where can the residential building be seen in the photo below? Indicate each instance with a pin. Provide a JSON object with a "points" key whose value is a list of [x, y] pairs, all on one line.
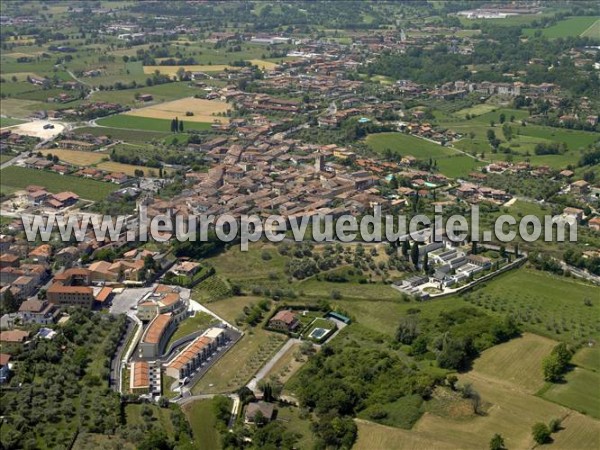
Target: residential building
{"points": [[195, 353], [253, 409], [284, 320], [38, 311]]}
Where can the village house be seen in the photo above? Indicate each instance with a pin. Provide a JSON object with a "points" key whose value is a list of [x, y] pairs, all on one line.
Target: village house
{"points": [[256, 409], [38, 311], [284, 320]]}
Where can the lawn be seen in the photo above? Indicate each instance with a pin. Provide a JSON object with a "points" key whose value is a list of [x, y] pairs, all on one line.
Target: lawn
{"points": [[19, 177], [405, 144], [125, 121], [315, 289], [200, 321], [573, 26], [542, 303], [581, 391], [240, 363], [203, 421]]}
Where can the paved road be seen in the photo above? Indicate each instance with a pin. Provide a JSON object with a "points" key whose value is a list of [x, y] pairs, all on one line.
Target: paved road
{"points": [[16, 159], [269, 365]]}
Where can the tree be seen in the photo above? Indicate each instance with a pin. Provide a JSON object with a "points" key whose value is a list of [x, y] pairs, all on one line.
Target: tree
{"points": [[502, 118], [540, 433], [497, 442], [11, 303], [414, 254], [181, 126], [552, 368], [408, 330], [425, 262]]}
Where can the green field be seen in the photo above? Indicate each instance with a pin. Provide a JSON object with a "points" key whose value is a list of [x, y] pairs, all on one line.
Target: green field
{"points": [[203, 421], [458, 166], [200, 321], [8, 122], [124, 121], [543, 303], [132, 136], [161, 93], [581, 392], [15, 178], [405, 144], [573, 26], [593, 31], [588, 358]]}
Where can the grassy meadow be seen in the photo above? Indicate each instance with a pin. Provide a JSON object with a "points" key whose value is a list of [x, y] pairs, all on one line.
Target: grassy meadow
{"points": [[15, 178]]}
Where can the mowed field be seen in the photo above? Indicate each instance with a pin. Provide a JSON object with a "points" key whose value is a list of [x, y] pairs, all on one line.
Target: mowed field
{"points": [[15, 178], [96, 159], [204, 110], [172, 70], [510, 411], [593, 31], [581, 391], [128, 122], [527, 374], [573, 26], [405, 144]]}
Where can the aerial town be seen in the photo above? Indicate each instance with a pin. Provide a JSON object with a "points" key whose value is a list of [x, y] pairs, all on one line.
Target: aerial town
{"points": [[300, 110]]}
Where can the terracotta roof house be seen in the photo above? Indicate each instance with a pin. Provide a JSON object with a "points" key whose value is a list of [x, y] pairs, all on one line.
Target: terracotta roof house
{"points": [[264, 408], [14, 336], [284, 320]]}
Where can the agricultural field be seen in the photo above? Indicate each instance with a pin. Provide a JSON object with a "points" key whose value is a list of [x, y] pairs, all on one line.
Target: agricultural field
{"points": [[580, 391], [161, 93], [125, 122], [458, 166], [131, 136], [172, 70], [588, 358], [573, 26], [98, 160], [509, 411], [15, 178], [240, 363], [405, 144], [527, 375], [542, 303], [593, 31], [9, 122], [203, 110]]}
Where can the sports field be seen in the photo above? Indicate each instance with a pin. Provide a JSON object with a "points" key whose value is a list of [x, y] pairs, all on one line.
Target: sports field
{"points": [[203, 110]]}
